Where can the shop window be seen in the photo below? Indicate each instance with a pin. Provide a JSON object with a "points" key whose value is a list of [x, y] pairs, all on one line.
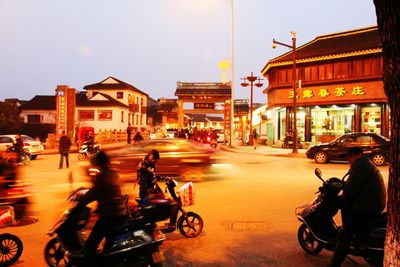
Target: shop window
{"points": [[371, 119], [86, 115], [331, 122]]}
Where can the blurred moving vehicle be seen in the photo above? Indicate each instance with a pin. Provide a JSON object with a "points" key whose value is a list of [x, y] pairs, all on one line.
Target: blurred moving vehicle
{"points": [[374, 146], [179, 158], [34, 147]]}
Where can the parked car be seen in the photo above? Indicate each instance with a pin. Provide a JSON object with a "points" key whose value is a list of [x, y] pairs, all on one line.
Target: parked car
{"points": [[33, 146], [375, 146], [178, 157]]}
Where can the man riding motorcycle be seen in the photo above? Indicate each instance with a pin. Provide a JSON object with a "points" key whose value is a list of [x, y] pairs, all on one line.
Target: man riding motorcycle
{"points": [[363, 199], [146, 175], [111, 209]]}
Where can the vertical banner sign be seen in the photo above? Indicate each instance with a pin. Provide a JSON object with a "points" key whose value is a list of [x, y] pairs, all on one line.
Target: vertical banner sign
{"points": [[61, 109], [227, 115]]}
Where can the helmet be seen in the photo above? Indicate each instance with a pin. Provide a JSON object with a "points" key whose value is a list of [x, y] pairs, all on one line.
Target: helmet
{"points": [[100, 159]]}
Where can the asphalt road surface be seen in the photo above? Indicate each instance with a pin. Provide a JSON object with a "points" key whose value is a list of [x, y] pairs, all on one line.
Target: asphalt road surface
{"points": [[247, 206]]}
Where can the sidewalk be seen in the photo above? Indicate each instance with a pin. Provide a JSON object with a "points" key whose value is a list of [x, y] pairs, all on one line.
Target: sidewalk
{"points": [[264, 150], [104, 147]]}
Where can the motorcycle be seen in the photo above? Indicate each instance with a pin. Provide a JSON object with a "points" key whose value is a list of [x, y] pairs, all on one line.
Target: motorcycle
{"points": [[190, 224], [135, 242], [318, 229], [11, 156], [288, 142], [11, 246], [84, 151]]}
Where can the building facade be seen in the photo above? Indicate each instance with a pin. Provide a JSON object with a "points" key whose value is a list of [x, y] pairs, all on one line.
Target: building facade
{"points": [[339, 87]]}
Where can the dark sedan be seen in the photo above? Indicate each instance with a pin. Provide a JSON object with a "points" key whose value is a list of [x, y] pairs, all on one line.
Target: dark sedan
{"points": [[374, 146], [178, 158]]}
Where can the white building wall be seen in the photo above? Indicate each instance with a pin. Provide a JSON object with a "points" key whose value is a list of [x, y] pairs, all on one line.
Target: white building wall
{"points": [[136, 98], [116, 123]]}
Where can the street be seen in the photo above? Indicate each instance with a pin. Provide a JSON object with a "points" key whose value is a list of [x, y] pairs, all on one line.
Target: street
{"points": [[247, 207]]}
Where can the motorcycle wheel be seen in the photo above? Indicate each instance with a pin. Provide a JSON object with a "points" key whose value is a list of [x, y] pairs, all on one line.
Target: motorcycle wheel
{"points": [[82, 156], [190, 225], [307, 240], [55, 254], [10, 249], [25, 159]]}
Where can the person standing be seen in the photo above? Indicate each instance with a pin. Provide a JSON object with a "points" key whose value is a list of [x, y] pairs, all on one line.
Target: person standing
{"points": [[63, 149], [18, 147], [363, 199], [129, 133], [255, 137]]}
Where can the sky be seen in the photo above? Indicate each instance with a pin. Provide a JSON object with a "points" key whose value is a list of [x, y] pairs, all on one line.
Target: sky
{"points": [[152, 44]]}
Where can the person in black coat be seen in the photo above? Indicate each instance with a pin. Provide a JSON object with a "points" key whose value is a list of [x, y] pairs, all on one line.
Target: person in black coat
{"points": [[106, 191], [63, 149], [363, 199]]}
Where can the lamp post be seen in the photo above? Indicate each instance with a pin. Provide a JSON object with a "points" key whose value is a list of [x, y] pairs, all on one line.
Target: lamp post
{"points": [[293, 47], [251, 79]]}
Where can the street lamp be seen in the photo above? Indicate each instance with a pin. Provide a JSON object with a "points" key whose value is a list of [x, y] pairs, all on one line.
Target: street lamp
{"points": [[293, 47], [251, 79]]}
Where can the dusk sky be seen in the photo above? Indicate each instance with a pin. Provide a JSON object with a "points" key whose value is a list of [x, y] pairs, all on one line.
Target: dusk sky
{"points": [[152, 44]]}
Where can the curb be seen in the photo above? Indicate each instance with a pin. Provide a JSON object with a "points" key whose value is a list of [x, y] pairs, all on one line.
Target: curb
{"points": [[291, 155]]}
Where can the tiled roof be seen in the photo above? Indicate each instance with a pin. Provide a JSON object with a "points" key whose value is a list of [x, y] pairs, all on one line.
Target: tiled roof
{"points": [[203, 89], [40, 102], [83, 101], [215, 118], [104, 85], [168, 107], [337, 45], [199, 117]]}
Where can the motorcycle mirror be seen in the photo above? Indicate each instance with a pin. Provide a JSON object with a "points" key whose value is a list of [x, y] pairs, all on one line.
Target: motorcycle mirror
{"points": [[318, 173]]}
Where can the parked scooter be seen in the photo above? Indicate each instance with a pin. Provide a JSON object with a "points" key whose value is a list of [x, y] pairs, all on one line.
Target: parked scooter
{"points": [[288, 141], [318, 229], [133, 243], [86, 151], [190, 224]]}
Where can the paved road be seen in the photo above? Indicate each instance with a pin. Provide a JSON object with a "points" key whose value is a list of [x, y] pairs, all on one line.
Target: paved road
{"points": [[248, 209]]}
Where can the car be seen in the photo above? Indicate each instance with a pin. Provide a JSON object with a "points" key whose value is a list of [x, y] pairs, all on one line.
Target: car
{"points": [[178, 158], [33, 146], [375, 146]]}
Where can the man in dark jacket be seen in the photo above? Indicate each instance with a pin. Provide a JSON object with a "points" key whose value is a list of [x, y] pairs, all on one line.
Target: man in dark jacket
{"points": [[63, 149], [18, 146], [363, 198], [110, 205], [146, 175]]}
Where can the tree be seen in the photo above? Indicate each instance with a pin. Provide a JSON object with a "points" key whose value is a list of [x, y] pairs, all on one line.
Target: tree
{"points": [[388, 17], [10, 121]]}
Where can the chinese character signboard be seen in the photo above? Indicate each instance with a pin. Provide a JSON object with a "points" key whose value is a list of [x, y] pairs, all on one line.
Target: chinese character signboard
{"points": [[65, 108], [204, 105]]}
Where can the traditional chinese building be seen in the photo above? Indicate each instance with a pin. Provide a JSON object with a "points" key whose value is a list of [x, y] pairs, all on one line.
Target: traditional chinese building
{"points": [[340, 87], [203, 98]]}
